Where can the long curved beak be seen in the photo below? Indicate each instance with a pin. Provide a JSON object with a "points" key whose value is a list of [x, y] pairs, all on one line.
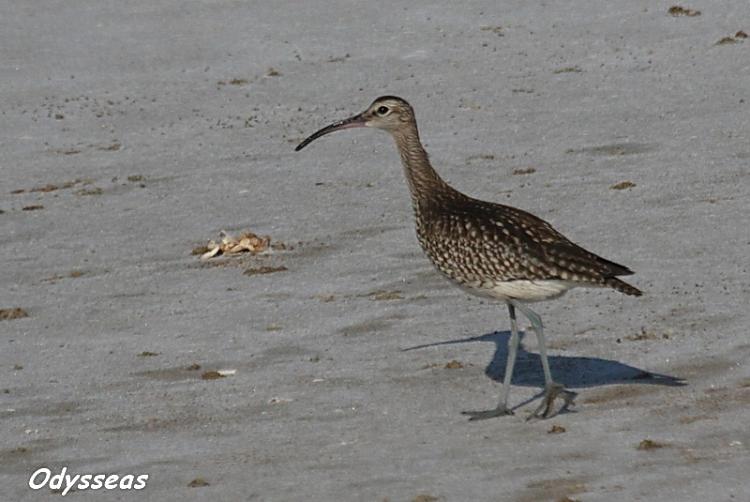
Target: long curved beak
{"points": [[355, 121]]}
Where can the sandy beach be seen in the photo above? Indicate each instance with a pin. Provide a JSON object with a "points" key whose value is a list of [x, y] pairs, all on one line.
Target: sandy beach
{"points": [[335, 364]]}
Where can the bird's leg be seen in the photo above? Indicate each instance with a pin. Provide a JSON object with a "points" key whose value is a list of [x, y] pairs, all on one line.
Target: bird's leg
{"points": [[502, 407], [552, 389]]}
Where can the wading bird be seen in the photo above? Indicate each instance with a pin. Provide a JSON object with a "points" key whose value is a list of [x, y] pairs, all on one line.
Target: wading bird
{"points": [[491, 250]]}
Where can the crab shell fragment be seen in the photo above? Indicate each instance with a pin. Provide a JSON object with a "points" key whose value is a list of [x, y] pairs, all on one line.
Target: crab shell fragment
{"points": [[247, 242]]}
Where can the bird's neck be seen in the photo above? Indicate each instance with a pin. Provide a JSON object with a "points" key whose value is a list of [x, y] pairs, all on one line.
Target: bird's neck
{"points": [[424, 182]]}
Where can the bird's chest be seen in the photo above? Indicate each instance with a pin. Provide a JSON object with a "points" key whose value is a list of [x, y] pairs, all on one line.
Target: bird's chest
{"points": [[458, 250]]}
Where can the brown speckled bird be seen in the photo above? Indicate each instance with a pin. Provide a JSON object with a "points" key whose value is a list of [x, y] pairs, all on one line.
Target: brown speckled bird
{"points": [[488, 249]]}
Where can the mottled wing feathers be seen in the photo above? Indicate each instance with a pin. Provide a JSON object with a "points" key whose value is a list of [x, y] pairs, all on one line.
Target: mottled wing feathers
{"points": [[504, 243], [573, 257], [557, 254]]}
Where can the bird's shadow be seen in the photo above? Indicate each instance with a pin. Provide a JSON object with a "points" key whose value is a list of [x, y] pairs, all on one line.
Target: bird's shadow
{"points": [[572, 371]]}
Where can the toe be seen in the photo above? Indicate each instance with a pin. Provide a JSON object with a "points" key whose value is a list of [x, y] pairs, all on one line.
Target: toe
{"points": [[484, 415]]}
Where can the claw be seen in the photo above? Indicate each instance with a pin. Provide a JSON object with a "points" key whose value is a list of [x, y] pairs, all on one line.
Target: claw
{"points": [[551, 392]]}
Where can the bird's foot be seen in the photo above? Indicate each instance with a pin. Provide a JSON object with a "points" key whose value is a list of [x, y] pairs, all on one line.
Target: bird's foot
{"points": [[500, 411], [552, 391]]}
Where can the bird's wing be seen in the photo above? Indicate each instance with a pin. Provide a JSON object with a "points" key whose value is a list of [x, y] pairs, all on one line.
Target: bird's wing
{"points": [[547, 248]]}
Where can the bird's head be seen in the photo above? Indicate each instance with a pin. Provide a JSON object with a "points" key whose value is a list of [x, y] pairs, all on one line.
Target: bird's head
{"points": [[388, 113]]}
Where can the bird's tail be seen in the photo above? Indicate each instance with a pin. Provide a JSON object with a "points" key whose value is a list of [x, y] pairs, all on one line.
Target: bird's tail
{"points": [[622, 286]]}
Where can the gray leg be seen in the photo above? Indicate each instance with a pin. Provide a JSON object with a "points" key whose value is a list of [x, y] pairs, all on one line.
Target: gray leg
{"points": [[536, 323], [552, 389], [511, 361], [502, 406]]}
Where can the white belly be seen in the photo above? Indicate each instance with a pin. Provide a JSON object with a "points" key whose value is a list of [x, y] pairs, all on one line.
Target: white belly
{"points": [[528, 291]]}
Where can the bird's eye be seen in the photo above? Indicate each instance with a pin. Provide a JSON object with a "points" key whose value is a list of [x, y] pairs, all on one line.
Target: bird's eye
{"points": [[382, 110]]}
